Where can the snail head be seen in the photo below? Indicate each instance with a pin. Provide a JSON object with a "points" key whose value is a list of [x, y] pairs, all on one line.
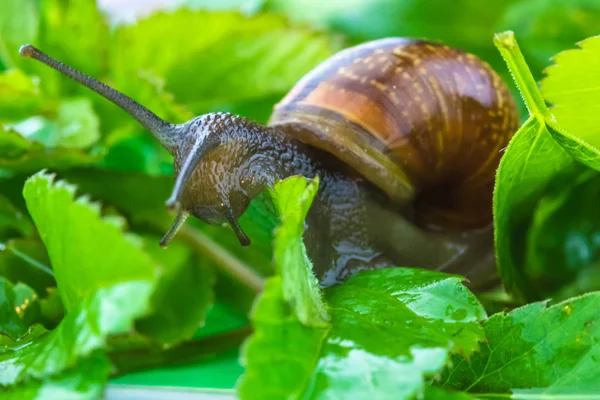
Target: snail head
{"points": [[207, 163], [210, 166]]}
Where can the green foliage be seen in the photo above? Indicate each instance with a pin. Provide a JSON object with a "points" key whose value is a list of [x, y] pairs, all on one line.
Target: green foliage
{"points": [[184, 281], [62, 220], [75, 126], [253, 59], [531, 160], [18, 154], [19, 95], [389, 330], [12, 221], [101, 299], [364, 20], [292, 198], [86, 293], [83, 382], [538, 151], [18, 25], [76, 32], [563, 239], [547, 27], [535, 351], [17, 303], [571, 85], [26, 260]]}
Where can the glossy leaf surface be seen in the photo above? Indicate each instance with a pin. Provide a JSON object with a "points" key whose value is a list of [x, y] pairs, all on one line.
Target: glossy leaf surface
{"points": [[101, 299], [538, 151], [292, 198], [572, 86], [536, 352], [389, 330]]}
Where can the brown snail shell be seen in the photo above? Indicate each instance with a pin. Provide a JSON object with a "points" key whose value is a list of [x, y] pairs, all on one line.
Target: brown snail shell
{"points": [[424, 122]]}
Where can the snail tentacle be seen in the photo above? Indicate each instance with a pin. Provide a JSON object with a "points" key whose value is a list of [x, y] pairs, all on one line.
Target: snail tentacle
{"points": [[177, 224], [165, 132]]}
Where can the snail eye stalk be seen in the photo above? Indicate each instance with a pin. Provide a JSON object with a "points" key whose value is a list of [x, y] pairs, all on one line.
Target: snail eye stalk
{"points": [[162, 130], [203, 144]]}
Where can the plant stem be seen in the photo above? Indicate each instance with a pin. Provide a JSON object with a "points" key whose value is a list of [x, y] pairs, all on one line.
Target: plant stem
{"points": [[147, 358], [228, 263], [34, 263], [509, 49]]}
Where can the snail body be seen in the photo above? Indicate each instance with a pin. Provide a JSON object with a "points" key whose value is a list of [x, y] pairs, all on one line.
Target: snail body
{"points": [[405, 136]]}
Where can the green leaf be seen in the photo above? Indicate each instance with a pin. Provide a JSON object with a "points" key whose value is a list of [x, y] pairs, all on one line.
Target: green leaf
{"points": [[532, 158], [183, 296], [12, 221], [130, 149], [84, 382], [292, 198], [253, 66], [76, 126], [107, 311], [17, 154], [26, 261], [157, 33], [224, 332], [52, 308], [138, 196], [12, 145], [74, 32], [389, 330], [19, 21], [252, 58], [546, 27], [577, 147], [101, 297], [535, 352], [15, 302], [281, 356], [77, 237], [19, 95], [27, 304], [573, 86], [564, 238]]}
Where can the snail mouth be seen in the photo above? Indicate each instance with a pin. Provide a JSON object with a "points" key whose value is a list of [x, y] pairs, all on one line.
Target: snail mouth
{"points": [[221, 215]]}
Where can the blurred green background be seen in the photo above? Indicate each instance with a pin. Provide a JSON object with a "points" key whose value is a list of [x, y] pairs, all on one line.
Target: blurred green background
{"points": [[185, 57]]}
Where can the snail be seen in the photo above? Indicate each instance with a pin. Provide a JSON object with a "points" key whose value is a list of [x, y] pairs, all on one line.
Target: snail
{"points": [[405, 136]]}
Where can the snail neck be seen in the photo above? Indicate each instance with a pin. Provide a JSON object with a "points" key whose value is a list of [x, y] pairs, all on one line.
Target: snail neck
{"points": [[265, 154]]}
